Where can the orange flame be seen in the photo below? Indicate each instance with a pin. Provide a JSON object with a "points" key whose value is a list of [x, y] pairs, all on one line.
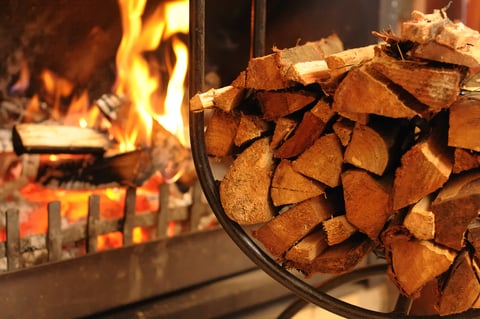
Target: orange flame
{"points": [[139, 81]]}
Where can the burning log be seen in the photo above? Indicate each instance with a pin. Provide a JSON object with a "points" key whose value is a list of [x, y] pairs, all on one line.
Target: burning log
{"points": [[395, 158], [57, 139]]}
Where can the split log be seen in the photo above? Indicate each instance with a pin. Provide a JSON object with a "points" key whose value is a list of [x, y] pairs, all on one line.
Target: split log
{"points": [[289, 186], [336, 259], [464, 130], [220, 133], [58, 139], [455, 207], [361, 92], [424, 169], [278, 104], [420, 220], [338, 229], [249, 128], [282, 232], [240, 196], [322, 161], [307, 249], [226, 98], [372, 146], [464, 160], [461, 288], [413, 263], [284, 126], [343, 128], [369, 216], [435, 87]]}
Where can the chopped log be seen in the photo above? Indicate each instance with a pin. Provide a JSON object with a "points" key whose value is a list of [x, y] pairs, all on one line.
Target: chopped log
{"points": [[420, 220], [226, 98], [413, 263], [310, 51], [343, 128], [249, 128], [464, 130], [289, 186], [245, 188], [468, 56], [461, 288], [309, 130], [369, 216], [338, 229], [337, 259], [322, 161], [86, 172], [422, 28], [220, 133], [455, 207], [426, 303], [284, 126], [424, 169], [57, 139], [464, 160], [279, 104], [435, 87], [307, 249], [283, 231], [323, 110], [360, 92], [371, 148], [329, 70], [168, 155]]}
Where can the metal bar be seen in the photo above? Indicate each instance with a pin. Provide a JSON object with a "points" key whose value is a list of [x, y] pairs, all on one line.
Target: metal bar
{"points": [[92, 221], [196, 74], [13, 239], [54, 232], [259, 27], [162, 216], [129, 215]]}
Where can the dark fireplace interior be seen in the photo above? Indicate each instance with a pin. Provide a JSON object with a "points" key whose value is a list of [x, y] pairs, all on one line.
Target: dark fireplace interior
{"points": [[171, 260]]}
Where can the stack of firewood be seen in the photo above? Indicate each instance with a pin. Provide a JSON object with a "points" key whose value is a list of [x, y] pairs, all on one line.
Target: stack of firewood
{"points": [[338, 153]]}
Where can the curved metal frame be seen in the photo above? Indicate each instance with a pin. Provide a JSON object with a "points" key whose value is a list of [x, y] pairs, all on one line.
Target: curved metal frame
{"points": [[197, 139]]}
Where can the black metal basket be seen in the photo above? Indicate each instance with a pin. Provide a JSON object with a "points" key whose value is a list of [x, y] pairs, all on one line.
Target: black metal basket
{"points": [[305, 291]]}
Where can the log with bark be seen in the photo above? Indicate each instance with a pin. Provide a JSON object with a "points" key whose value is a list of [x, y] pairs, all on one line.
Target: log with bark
{"points": [[386, 135]]}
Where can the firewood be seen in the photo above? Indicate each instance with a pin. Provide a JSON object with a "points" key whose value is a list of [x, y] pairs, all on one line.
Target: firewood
{"points": [[464, 129], [283, 231], [369, 216], [308, 130], [337, 259], [422, 28], [338, 229], [284, 126], [455, 207], [343, 128], [435, 87], [220, 133], [360, 92], [464, 160], [289, 186], [461, 288], [307, 249], [278, 104], [267, 72], [322, 161], [249, 128], [245, 188], [424, 169], [407, 258], [420, 220], [370, 148], [473, 236], [226, 98], [57, 139]]}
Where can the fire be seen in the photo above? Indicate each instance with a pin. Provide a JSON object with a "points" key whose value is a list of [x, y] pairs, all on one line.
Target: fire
{"points": [[141, 75], [138, 81]]}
